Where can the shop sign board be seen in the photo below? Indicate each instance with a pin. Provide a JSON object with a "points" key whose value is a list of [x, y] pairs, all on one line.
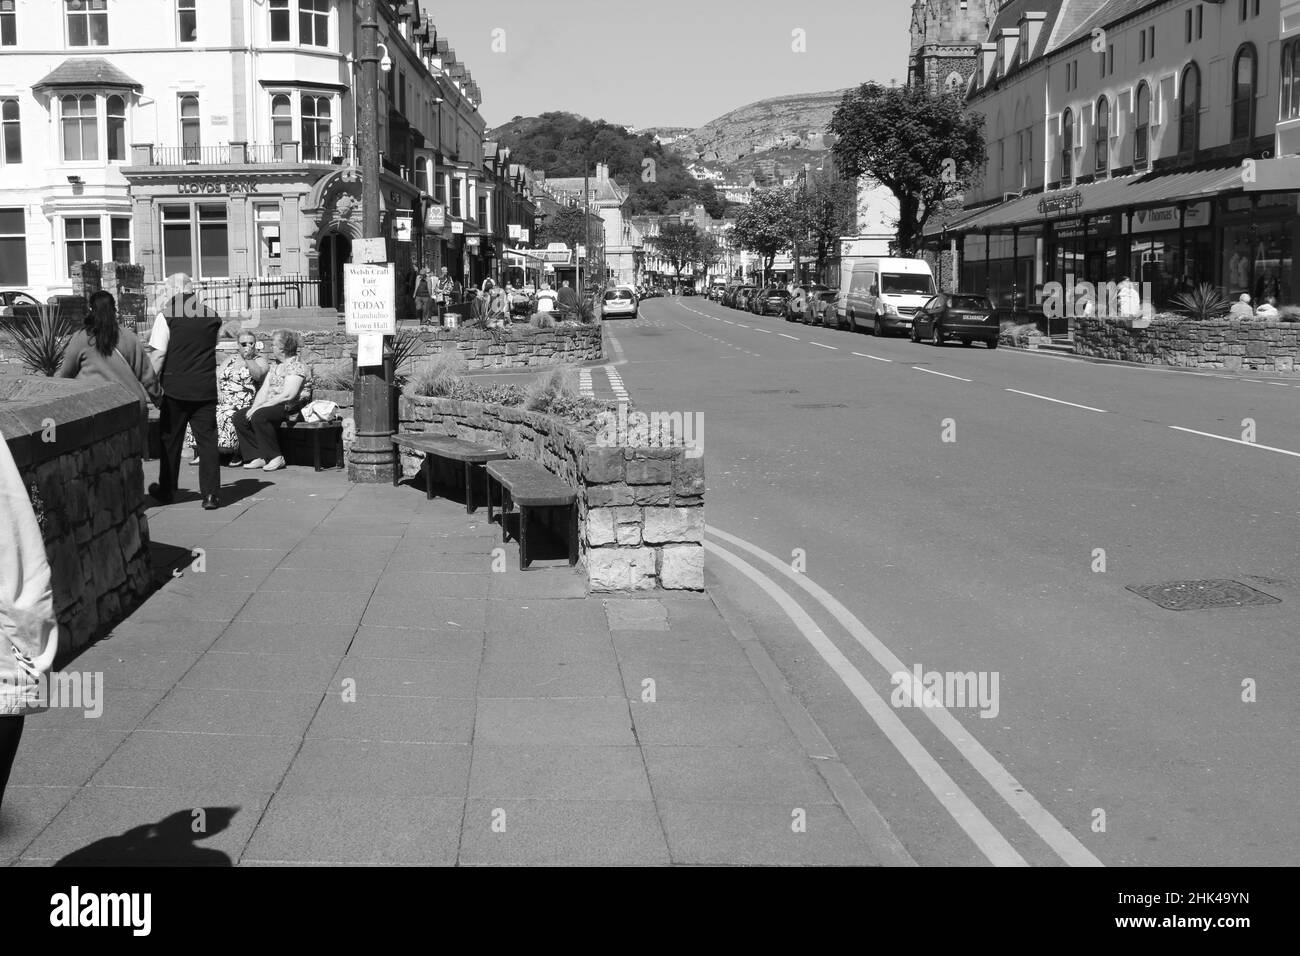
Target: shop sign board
{"points": [[402, 226], [370, 300], [437, 217], [457, 227], [1055, 204], [1165, 218]]}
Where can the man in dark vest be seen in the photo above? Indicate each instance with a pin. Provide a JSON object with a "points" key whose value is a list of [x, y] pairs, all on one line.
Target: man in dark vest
{"points": [[184, 343]]}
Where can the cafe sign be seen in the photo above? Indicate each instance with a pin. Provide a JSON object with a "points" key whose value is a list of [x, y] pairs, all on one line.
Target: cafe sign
{"points": [[1055, 204]]}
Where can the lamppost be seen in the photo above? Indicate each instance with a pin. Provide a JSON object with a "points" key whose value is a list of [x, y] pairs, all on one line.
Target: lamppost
{"points": [[371, 460]]}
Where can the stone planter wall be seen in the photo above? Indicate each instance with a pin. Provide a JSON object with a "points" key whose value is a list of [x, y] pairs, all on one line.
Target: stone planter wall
{"points": [[641, 510], [1247, 345], [77, 447], [526, 346]]}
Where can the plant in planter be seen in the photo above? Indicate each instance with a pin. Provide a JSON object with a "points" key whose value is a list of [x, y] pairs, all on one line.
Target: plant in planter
{"points": [[1204, 303], [41, 337]]}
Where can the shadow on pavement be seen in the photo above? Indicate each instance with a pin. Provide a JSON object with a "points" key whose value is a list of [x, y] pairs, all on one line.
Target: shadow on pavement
{"points": [[169, 842]]}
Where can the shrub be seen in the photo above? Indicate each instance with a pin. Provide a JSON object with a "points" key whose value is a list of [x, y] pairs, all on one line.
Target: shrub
{"points": [[550, 387], [1204, 303], [437, 376], [337, 377], [1289, 313], [41, 337], [542, 320]]}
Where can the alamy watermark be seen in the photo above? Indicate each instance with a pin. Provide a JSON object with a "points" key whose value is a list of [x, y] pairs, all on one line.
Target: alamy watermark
{"points": [[76, 690], [624, 428], [1124, 299], [947, 689]]}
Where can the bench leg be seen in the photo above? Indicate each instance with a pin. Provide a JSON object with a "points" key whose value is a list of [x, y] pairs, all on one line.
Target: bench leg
{"points": [[523, 538], [315, 449], [427, 466], [397, 463], [573, 534], [490, 483], [469, 489]]}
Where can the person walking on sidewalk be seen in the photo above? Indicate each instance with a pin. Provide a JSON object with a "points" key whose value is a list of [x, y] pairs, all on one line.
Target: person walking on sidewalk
{"points": [[184, 343], [103, 351], [286, 388], [29, 631], [443, 291]]}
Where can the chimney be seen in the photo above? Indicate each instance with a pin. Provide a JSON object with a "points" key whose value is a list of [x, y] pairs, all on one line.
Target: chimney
{"points": [[1031, 25], [602, 172]]}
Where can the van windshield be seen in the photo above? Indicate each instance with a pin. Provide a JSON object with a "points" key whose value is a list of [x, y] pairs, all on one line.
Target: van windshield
{"points": [[915, 283]]}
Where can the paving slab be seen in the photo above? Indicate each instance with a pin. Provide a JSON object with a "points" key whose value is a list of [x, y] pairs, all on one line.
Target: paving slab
{"points": [[26, 812], [214, 604], [381, 717], [553, 679], [353, 580], [276, 673], [762, 834], [735, 775], [436, 584], [314, 640], [242, 712], [513, 584], [558, 773], [316, 558], [547, 645], [370, 768], [304, 608], [410, 643], [405, 678], [150, 758], [59, 757], [562, 833], [535, 722], [710, 723], [548, 616], [628, 614], [425, 611], [674, 681]]}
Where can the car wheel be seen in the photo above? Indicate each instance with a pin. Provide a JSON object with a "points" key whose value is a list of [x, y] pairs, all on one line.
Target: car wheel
{"points": [[878, 330], [936, 335], [967, 343], [914, 337], [993, 343]]}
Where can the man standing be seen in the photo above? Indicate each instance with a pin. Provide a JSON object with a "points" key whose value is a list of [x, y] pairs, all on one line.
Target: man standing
{"points": [[442, 292], [184, 343], [567, 299]]}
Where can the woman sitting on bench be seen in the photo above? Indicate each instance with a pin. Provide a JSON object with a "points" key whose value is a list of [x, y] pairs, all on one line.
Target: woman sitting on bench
{"points": [[286, 388]]}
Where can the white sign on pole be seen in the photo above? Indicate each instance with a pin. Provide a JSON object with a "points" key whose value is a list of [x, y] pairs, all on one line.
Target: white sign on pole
{"points": [[457, 227], [524, 235], [514, 230], [370, 299], [370, 349], [370, 250]]}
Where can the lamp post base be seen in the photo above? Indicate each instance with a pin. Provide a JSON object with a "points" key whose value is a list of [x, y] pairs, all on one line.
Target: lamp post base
{"points": [[371, 458]]}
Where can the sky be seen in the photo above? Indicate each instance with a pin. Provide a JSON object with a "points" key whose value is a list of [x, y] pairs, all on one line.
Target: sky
{"points": [[667, 62]]}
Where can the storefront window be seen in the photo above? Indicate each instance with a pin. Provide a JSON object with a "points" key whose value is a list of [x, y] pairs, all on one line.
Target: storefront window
{"points": [[268, 239], [214, 244], [1259, 258], [209, 257]]}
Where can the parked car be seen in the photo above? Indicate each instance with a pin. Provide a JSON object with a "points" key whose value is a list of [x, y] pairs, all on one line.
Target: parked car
{"points": [[619, 303], [882, 293], [821, 309], [773, 300], [16, 297], [966, 316], [740, 297], [801, 298]]}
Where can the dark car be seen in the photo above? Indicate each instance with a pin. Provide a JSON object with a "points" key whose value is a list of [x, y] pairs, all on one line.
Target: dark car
{"points": [[801, 300], [772, 300], [821, 309], [740, 297], [957, 315]]}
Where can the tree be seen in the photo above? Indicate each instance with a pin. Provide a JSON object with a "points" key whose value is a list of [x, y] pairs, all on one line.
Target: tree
{"points": [[770, 223], [679, 244], [568, 225], [830, 211], [924, 147]]}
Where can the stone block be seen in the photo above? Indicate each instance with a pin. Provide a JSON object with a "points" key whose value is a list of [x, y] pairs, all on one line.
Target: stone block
{"points": [[605, 496], [665, 525], [600, 527], [604, 465], [689, 476], [649, 471], [681, 567], [621, 569], [656, 495]]}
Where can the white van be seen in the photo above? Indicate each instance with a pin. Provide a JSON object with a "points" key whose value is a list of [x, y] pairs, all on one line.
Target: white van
{"points": [[882, 294]]}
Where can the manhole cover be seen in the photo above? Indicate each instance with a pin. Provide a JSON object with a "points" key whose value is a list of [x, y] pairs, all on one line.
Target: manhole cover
{"points": [[1195, 595], [818, 405]]}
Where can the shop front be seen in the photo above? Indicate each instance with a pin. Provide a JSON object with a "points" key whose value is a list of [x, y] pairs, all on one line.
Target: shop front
{"points": [[1261, 246]]}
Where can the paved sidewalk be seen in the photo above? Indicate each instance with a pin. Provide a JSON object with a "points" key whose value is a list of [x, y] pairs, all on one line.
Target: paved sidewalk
{"points": [[348, 680]]}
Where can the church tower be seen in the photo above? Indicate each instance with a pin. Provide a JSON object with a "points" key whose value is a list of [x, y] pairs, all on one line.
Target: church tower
{"points": [[945, 39]]}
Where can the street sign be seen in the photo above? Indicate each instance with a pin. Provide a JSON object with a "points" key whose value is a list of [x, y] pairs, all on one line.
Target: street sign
{"points": [[370, 250], [514, 230], [370, 299], [524, 235], [457, 227]]}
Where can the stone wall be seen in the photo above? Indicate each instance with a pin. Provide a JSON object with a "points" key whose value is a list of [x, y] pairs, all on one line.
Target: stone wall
{"points": [[522, 347], [641, 510], [1246, 345], [77, 447]]}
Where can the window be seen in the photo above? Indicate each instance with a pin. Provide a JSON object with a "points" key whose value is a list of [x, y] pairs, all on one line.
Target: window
{"points": [[13, 248], [482, 211], [401, 93], [214, 249], [1151, 41], [1142, 46], [82, 239], [176, 240], [281, 120], [1189, 110], [1142, 126], [120, 238], [1067, 146], [1241, 7], [115, 108], [1200, 20], [87, 22], [316, 128], [268, 239], [314, 22], [11, 143], [187, 23], [190, 133], [1187, 23], [1290, 91], [1103, 135], [279, 10], [80, 125], [206, 258], [1243, 94], [1110, 59], [8, 24]]}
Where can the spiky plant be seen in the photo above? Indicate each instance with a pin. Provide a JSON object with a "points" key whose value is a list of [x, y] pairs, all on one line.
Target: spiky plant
{"points": [[41, 337], [1205, 302]]}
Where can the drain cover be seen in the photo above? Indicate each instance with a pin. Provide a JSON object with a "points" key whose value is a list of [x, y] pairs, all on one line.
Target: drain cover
{"points": [[1195, 595]]}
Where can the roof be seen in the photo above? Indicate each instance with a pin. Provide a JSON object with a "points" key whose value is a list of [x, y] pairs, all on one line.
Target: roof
{"points": [[601, 189], [87, 72], [1108, 195]]}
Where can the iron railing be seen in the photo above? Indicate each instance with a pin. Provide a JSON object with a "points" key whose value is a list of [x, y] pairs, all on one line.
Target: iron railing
{"points": [[337, 150], [243, 296]]}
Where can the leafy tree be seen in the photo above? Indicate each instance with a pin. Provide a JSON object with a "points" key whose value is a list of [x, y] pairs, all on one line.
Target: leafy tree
{"points": [[924, 147], [772, 222], [679, 244], [830, 211], [568, 225]]}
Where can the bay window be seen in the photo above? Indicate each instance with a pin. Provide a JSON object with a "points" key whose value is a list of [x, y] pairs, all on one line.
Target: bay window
{"points": [[79, 121]]}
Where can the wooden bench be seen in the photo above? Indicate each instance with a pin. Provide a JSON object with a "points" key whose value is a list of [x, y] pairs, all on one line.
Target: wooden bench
{"points": [[473, 455], [528, 485], [335, 428]]}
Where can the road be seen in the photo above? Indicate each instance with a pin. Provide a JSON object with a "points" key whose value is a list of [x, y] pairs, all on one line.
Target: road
{"points": [[1121, 735]]}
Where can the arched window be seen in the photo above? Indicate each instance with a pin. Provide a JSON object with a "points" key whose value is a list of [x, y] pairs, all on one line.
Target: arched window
{"points": [[116, 110], [316, 128], [190, 134], [1067, 146], [1142, 126], [281, 120], [1189, 110], [1103, 135], [954, 82], [1243, 93], [80, 123]]}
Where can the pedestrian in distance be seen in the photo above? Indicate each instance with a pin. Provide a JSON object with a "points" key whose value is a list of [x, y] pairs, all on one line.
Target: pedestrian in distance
{"points": [[567, 298], [286, 388], [546, 298], [423, 294], [184, 344], [29, 630], [443, 291], [104, 352], [1242, 309]]}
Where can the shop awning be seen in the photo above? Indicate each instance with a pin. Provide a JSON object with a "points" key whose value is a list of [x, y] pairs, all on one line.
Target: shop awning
{"points": [[1176, 187], [1041, 207], [1274, 175], [87, 72]]}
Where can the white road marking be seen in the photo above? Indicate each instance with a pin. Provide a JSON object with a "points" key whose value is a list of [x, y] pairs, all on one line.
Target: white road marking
{"points": [[728, 321], [1058, 401], [876, 357], [764, 331], [1238, 441], [953, 799], [784, 336], [820, 346], [1064, 843], [931, 371], [742, 325]]}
